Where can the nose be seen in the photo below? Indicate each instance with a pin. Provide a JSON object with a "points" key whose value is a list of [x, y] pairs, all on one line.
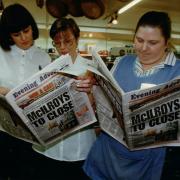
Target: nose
{"points": [[144, 46], [22, 35], [62, 45]]}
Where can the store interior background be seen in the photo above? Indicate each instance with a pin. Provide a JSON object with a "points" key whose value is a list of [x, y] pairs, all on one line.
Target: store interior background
{"points": [[107, 38]]}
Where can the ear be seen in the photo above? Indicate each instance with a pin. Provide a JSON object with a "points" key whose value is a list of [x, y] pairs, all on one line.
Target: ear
{"points": [[169, 46]]}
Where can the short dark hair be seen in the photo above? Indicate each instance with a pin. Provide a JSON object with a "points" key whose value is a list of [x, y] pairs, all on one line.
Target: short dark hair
{"points": [[15, 18], [156, 19], [63, 24]]}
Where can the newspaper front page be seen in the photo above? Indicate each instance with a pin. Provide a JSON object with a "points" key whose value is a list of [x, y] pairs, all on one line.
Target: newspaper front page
{"points": [[152, 116], [138, 119], [49, 104]]}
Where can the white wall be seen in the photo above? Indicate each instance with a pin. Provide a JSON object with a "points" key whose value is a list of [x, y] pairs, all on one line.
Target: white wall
{"points": [[100, 44]]}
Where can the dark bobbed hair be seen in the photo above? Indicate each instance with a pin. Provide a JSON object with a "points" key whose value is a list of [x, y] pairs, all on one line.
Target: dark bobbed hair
{"points": [[15, 18], [63, 24], [156, 19]]}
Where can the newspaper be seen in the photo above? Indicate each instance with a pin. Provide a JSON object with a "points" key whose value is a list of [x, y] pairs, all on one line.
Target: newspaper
{"points": [[47, 106], [138, 119]]}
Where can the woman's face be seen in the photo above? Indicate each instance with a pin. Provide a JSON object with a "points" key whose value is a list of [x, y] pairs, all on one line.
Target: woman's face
{"points": [[24, 38], [150, 45], [65, 42]]}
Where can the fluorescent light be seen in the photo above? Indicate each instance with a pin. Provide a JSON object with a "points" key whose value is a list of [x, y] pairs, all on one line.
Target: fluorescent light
{"points": [[129, 5]]}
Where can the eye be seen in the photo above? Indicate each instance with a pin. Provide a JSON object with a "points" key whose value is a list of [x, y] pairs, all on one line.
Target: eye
{"points": [[139, 40], [26, 30], [153, 42], [67, 41], [15, 34]]}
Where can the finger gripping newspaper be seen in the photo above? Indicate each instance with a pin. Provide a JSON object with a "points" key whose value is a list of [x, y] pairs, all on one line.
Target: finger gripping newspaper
{"points": [[47, 106]]}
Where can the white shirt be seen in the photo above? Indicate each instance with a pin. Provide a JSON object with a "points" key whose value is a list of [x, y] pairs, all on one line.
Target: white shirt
{"points": [[74, 147], [17, 65]]}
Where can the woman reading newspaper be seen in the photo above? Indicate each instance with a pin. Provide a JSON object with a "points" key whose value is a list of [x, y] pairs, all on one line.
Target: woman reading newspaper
{"points": [[71, 151], [154, 63], [20, 59]]}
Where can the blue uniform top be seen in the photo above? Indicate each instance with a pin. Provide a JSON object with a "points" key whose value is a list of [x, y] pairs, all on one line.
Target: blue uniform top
{"points": [[108, 158]]}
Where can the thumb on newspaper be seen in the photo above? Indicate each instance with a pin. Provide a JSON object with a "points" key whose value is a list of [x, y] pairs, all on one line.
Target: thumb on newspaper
{"points": [[4, 90]]}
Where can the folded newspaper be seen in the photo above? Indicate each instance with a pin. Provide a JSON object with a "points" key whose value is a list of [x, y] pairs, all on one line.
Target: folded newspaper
{"points": [[138, 119], [46, 106], [50, 107]]}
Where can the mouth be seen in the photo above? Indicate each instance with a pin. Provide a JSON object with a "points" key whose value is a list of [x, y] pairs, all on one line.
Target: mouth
{"points": [[64, 53], [25, 43], [144, 54]]}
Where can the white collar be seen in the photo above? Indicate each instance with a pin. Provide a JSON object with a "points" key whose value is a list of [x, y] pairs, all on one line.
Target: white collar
{"points": [[18, 51]]}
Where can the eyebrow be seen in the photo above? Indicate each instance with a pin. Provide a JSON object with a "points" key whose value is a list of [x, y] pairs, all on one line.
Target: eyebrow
{"points": [[157, 40]]}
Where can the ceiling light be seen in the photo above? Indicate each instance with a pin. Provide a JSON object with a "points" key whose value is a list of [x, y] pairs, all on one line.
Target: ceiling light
{"points": [[90, 35], [129, 5], [113, 19]]}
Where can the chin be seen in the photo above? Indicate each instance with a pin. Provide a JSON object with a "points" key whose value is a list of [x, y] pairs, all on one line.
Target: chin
{"points": [[64, 53], [25, 47]]}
